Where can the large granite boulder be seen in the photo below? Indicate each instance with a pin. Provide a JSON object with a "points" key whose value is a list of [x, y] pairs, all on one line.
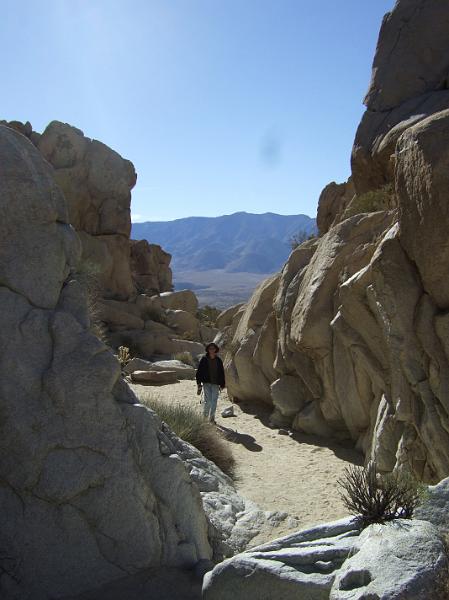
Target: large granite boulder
{"points": [[180, 300], [97, 183], [403, 559], [88, 493], [409, 83]]}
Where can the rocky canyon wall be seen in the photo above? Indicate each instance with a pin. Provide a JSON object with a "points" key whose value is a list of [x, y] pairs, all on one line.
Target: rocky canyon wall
{"points": [[88, 491], [351, 339], [97, 182]]}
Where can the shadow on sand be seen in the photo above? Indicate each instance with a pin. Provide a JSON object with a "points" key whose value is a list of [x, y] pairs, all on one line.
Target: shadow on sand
{"points": [[342, 449], [240, 438]]}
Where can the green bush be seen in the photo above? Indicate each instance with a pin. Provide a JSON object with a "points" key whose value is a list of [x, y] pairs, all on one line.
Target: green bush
{"points": [[188, 424], [380, 199], [376, 498], [207, 315], [299, 238]]}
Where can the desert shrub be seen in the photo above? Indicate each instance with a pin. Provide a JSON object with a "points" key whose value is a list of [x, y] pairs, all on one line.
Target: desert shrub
{"points": [[207, 315], [123, 356], [380, 199], [185, 357], [299, 238], [188, 424], [376, 498]]}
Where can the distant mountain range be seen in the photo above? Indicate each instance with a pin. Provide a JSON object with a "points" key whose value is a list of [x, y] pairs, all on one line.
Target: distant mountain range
{"points": [[241, 242]]}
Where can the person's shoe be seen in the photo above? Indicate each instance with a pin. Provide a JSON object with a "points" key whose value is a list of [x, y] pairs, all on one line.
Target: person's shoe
{"points": [[213, 421]]}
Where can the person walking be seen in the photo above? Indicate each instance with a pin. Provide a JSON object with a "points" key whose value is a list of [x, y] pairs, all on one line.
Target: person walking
{"points": [[211, 378]]}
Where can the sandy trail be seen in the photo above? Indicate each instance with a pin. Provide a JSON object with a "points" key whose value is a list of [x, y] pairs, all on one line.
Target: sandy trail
{"points": [[297, 474]]}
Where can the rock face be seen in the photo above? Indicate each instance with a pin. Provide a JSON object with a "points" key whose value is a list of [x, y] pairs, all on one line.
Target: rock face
{"points": [[350, 340], [409, 83], [89, 494], [150, 268], [97, 184], [403, 559]]}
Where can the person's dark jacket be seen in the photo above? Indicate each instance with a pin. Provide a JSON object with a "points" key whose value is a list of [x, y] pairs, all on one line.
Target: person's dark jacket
{"points": [[202, 373]]}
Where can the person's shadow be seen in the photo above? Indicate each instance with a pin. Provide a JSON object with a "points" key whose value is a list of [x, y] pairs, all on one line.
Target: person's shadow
{"points": [[240, 438]]}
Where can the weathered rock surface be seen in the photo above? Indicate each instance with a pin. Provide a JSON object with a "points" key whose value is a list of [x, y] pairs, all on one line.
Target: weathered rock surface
{"points": [[435, 509], [409, 83], [182, 370], [150, 267], [88, 493], [332, 203], [180, 300], [154, 377], [403, 559], [357, 321], [233, 520], [97, 183]]}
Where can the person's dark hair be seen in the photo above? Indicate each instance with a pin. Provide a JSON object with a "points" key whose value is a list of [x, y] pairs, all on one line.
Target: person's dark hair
{"points": [[217, 349]]}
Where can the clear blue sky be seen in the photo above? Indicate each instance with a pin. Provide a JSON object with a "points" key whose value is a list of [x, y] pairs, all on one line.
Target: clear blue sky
{"points": [[222, 105]]}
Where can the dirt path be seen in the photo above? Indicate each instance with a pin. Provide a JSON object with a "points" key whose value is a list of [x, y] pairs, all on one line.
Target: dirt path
{"points": [[297, 474]]}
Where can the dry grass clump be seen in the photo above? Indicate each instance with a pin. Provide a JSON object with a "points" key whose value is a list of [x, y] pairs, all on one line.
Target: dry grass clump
{"points": [[185, 357], [188, 424], [376, 498]]}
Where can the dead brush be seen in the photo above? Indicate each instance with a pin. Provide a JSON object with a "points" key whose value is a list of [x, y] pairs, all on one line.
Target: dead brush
{"points": [[378, 498]]}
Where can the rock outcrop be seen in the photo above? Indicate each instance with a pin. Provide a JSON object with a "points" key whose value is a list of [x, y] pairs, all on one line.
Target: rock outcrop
{"points": [[150, 268], [89, 493], [402, 559], [410, 82], [129, 282], [350, 340]]}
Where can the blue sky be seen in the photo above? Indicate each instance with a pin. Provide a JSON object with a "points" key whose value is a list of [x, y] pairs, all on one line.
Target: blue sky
{"points": [[222, 105]]}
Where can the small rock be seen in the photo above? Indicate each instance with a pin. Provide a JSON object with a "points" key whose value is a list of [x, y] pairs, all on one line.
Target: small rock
{"points": [[228, 412]]}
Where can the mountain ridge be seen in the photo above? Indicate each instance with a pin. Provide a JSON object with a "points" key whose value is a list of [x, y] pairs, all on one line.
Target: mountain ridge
{"points": [[239, 242]]}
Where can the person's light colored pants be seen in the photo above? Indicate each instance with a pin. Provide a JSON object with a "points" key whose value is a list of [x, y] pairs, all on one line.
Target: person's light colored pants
{"points": [[210, 391]]}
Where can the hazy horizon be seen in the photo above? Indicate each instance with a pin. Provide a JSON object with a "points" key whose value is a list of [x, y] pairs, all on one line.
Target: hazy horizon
{"points": [[221, 106], [267, 212]]}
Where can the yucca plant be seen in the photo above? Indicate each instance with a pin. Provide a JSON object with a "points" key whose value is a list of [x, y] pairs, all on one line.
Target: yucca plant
{"points": [[123, 356]]}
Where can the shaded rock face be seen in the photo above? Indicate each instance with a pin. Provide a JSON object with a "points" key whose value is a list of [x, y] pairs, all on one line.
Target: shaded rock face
{"points": [[89, 494], [150, 268], [359, 317], [409, 82]]}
